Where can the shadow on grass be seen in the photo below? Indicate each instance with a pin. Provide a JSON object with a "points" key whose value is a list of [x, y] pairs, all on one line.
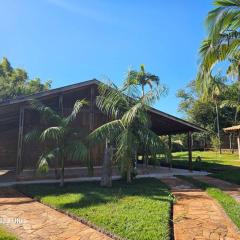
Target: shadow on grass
{"points": [[91, 194], [225, 172]]}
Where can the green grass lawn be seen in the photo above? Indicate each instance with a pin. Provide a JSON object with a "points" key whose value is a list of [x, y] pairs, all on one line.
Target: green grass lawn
{"points": [[229, 204], [225, 166], [4, 235], [140, 210]]}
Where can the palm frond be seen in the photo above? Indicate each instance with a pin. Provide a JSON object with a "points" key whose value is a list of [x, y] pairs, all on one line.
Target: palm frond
{"points": [[230, 104], [79, 104], [152, 141], [42, 165], [111, 100], [76, 150], [213, 53], [52, 133], [47, 114], [224, 17], [32, 136], [108, 130], [136, 114]]}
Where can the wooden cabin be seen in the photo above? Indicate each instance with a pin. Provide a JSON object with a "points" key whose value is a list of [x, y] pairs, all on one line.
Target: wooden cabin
{"points": [[17, 118]]}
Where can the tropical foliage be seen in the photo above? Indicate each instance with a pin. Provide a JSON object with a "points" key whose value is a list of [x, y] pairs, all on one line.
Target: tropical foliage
{"points": [[223, 35], [204, 101], [15, 82], [60, 140], [223, 40], [129, 130]]}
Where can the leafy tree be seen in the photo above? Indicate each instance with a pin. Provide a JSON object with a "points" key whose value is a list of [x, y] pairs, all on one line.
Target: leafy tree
{"points": [[201, 109], [59, 138], [130, 126], [14, 82]]}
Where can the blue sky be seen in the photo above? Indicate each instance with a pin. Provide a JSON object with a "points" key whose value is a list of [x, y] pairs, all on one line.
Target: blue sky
{"points": [[69, 41]]}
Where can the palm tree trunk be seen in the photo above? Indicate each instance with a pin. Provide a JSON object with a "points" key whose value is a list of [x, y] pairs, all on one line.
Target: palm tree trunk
{"points": [[143, 93], [129, 177], [236, 114], [62, 171], [218, 128], [106, 180]]}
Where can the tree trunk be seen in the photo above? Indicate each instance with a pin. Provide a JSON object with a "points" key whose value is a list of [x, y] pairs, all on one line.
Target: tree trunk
{"points": [[238, 141], [143, 93], [62, 172], [106, 180], [129, 177], [218, 129], [236, 114]]}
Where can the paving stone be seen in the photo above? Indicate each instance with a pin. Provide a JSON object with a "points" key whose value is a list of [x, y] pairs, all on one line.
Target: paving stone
{"points": [[230, 188], [197, 216], [41, 222]]}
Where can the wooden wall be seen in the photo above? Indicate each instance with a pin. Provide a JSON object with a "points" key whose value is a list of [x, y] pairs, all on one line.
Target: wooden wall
{"points": [[89, 119], [8, 147]]}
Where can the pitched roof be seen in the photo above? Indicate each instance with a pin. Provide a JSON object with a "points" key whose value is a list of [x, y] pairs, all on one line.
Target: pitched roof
{"points": [[49, 92], [232, 129], [163, 123]]}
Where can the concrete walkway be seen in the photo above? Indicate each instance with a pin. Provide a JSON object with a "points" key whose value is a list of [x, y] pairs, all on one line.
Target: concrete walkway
{"points": [[29, 219], [230, 188], [157, 172], [196, 216]]}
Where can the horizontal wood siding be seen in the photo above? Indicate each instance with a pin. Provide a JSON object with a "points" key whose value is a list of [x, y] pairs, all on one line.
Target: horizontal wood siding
{"points": [[31, 152], [8, 147]]}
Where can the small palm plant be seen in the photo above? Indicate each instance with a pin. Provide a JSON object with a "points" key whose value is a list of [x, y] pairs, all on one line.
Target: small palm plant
{"points": [[59, 139], [129, 129]]}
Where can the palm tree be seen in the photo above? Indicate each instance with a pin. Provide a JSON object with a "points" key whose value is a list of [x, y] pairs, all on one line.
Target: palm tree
{"points": [[59, 138], [212, 88], [223, 39], [128, 129], [145, 79], [142, 78]]}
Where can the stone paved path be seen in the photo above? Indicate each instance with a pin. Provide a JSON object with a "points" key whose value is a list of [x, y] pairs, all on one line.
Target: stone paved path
{"points": [[230, 188], [196, 216], [39, 221]]}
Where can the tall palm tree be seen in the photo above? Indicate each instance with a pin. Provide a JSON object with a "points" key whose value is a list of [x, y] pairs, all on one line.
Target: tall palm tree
{"points": [[211, 89], [59, 138], [128, 129], [145, 79], [223, 39], [142, 78]]}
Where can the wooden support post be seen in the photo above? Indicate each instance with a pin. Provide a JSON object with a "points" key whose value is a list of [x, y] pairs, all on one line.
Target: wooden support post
{"points": [[20, 140], [60, 104], [238, 142], [92, 110], [170, 150], [190, 151], [91, 127]]}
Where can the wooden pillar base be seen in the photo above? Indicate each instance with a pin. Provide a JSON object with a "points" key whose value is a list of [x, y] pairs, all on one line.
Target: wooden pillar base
{"points": [[190, 151]]}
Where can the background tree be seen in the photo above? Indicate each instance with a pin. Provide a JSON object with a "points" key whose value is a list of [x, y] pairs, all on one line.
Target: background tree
{"points": [[202, 110], [212, 88], [60, 139], [15, 82]]}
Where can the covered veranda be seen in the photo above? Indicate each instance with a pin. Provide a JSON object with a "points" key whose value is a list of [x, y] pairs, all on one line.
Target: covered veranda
{"points": [[234, 130], [15, 120]]}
